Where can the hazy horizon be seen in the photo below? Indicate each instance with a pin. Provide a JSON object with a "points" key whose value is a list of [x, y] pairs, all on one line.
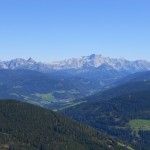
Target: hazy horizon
{"points": [[53, 61]]}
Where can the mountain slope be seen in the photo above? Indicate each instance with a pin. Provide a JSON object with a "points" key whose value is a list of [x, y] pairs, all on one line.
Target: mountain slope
{"points": [[118, 116], [50, 90], [27, 127], [101, 70], [135, 77], [102, 76], [92, 61], [98, 60], [136, 82]]}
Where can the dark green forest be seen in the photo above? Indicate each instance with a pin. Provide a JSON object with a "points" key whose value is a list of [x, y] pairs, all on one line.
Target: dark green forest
{"points": [[114, 116], [27, 127]]}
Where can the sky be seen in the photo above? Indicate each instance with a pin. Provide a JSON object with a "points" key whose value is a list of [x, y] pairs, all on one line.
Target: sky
{"points": [[49, 30]]}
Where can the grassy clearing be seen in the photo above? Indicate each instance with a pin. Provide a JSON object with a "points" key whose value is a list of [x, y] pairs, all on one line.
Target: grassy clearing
{"points": [[70, 91], [17, 87], [48, 96], [139, 125], [45, 98], [61, 92], [74, 92]]}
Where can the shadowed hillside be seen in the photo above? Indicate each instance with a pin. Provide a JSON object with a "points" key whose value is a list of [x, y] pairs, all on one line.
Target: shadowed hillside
{"points": [[27, 127], [122, 111]]}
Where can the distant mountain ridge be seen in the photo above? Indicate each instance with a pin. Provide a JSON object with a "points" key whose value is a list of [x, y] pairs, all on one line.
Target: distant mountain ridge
{"points": [[103, 71], [51, 90], [98, 60], [92, 61]]}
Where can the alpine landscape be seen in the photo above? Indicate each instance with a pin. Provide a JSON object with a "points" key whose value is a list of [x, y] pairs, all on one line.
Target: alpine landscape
{"points": [[74, 75]]}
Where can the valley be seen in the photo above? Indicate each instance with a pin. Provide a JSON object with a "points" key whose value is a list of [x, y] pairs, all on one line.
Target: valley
{"points": [[62, 84], [115, 102], [121, 111], [74, 75]]}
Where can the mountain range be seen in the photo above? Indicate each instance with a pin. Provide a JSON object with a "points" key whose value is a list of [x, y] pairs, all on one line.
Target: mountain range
{"points": [[111, 95], [53, 90], [101, 70], [85, 62], [58, 84]]}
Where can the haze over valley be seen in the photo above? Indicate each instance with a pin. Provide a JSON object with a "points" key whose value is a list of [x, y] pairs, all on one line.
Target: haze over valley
{"points": [[62, 84], [74, 75]]}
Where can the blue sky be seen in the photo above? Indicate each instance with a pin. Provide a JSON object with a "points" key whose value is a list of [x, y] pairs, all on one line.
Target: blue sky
{"points": [[48, 30]]}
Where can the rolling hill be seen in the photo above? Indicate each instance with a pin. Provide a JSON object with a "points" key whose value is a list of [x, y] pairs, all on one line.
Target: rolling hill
{"points": [[51, 90], [126, 116], [136, 82], [27, 127], [135, 77], [122, 110]]}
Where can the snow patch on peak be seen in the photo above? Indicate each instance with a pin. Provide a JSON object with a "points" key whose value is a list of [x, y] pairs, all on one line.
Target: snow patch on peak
{"points": [[84, 62]]}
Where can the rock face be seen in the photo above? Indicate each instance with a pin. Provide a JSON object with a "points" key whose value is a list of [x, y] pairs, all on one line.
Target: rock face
{"points": [[85, 62], [98, 60]]}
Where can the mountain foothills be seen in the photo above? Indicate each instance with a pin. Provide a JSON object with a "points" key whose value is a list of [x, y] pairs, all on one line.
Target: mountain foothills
{"points": [[122, 111], [103, 70], [136, 82], [57, 85], [27, 127], [51, 90], [111, 95]]}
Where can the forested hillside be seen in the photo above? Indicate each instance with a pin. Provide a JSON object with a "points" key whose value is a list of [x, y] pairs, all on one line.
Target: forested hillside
{"points": [[136, 82], [53, 90], [27, 127], [126, 116]]}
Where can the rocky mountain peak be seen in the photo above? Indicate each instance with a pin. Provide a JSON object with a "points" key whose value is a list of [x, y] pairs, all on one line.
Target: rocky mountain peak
{"points": [[85, 62], [30, 60]]}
